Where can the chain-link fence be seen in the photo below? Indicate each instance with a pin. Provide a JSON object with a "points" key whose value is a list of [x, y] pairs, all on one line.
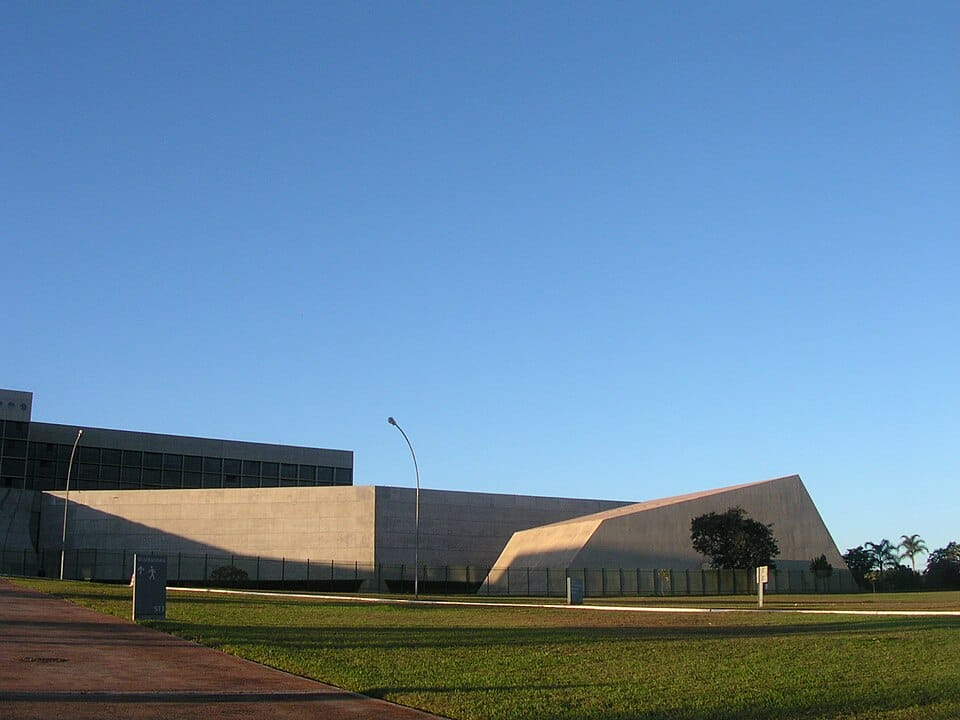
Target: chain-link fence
{"points": [[223, 570]]}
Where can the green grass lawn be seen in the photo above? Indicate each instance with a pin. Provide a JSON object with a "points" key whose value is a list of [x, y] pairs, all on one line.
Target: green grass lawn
{"points": [[515, 662]]}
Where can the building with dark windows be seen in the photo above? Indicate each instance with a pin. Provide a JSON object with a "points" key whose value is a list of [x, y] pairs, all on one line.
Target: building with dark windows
{"points": [[285, 514], [36, 456]]}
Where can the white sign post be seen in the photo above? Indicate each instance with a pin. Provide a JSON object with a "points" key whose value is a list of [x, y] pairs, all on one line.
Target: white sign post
{"points": [[762, 575]]}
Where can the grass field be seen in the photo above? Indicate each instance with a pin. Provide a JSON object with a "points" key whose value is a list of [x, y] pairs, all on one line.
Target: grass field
{"points": [[509, 663]]}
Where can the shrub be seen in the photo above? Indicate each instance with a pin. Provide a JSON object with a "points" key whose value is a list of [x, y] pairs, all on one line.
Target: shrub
{"points": [[229, 574]]}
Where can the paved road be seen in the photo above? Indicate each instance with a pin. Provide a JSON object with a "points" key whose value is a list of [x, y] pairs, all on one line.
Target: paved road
{"points": [[58, 660]]}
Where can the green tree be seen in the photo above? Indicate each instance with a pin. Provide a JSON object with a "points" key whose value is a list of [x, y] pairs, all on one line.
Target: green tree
{"points": [[912, 545], [733, 540], [943, 567], [884, 555], [859, 561], [821, 569]]}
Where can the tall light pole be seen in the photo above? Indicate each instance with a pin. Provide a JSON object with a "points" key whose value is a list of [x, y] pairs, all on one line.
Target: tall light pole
{"points": [[416, 544], [66, 502]]}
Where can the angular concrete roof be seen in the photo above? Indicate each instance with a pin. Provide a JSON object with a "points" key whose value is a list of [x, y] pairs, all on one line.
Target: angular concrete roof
{"points": [[656, 533]]}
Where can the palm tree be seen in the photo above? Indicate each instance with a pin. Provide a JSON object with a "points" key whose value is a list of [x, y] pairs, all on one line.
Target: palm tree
{"points": [[912, 546], [884, 552]]}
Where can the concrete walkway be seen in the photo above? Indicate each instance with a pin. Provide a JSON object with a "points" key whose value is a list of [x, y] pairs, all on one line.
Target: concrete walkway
{"points": [[59, 660]]}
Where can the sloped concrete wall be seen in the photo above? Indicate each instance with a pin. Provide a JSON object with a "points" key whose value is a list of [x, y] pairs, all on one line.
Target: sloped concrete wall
{"points": [[464, 528], [656, 534], [660, 537]]}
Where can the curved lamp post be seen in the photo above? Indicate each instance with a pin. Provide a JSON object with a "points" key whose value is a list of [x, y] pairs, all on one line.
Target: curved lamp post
{"points": [[416, 546], [66, 502]]}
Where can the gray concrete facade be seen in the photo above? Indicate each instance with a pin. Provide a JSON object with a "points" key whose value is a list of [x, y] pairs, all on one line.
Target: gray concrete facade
{"points": [[656, 534], [370, 525]]}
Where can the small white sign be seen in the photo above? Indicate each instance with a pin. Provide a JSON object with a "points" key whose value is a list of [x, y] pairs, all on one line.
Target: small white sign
{"points": [[763, 574]]}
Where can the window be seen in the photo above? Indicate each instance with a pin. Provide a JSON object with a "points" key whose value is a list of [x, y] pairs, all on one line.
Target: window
{"points": [[43, 451], [344, 476], [193, 463], [212, 465], [87, 454], [172, 462], [151, 478], [132, 458], [110, 457], [251, 468], [130, 477], [192, 479], [16, 429], [171, 479], [231, 466], [324, 476], [152, 460], [308, 474], [270, 470], [45, 484], [13, 466], [109, 476], [211, 480], [14, 448]]}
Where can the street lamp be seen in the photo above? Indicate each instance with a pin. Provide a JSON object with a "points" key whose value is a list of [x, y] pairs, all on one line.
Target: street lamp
{"points": [[66, 502], [416, 545]]}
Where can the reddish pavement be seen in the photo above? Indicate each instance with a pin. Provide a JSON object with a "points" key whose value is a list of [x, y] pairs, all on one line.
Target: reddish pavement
{"points": [[59, 660]]}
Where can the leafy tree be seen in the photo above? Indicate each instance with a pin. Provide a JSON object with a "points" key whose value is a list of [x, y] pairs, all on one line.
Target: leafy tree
{"points": [[899, 578], [821, 568], [229, 575], [943, 567], [884, 554], [860, 562], [733, 540], [912, 545]]}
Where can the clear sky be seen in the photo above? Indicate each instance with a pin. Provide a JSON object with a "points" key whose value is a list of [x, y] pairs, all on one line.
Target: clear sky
{"points": [[614, 250]]}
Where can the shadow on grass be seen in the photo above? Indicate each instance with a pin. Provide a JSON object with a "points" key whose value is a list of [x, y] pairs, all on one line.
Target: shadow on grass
{"points": [[439, 638], [536, 701]]}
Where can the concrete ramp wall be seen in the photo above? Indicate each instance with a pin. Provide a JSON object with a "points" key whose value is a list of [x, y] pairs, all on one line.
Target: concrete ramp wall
{"points": [[656, 534]]}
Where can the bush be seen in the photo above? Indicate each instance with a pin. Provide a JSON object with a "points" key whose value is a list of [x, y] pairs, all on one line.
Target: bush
{"points": [[229, 574], [899, 578]]}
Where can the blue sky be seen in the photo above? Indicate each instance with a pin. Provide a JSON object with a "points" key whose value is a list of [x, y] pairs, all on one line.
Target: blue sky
{"points": [[614, 250]]}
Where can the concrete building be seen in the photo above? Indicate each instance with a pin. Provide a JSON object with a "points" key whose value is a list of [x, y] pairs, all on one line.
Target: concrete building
{"points": [[292, 514], [656, 534]]}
